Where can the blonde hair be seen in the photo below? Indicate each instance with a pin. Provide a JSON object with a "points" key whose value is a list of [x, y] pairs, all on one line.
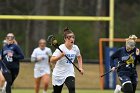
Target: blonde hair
{"points": [[133, 37], [131, 41]]}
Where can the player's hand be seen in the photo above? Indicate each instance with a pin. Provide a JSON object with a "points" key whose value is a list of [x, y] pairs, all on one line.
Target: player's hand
{"points": [[62, 55], [137, 51], [81, 71], [113, 68], [10, 54], [39, 58]]}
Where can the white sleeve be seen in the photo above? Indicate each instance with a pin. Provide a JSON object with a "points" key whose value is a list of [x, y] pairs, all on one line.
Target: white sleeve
{"points": [[56, 52], [34, 53], [49, 52], [77, 51]]}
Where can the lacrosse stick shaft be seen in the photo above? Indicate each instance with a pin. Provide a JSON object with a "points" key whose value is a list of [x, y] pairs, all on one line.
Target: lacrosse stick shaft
{"points": [[106, 73], [69, 60], [112, 70]]}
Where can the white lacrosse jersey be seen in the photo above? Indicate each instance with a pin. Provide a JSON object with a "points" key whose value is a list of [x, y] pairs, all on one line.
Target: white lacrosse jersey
{"points": [[45, 53], [63, 67]]}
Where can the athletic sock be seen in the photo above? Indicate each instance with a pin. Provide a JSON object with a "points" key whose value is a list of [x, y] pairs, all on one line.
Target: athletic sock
{"points": [[117, 89], [44, 91], [4, 87]]}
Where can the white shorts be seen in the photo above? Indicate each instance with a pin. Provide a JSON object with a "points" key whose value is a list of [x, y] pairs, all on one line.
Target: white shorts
{"points": [[58, 80], [40, 71]]}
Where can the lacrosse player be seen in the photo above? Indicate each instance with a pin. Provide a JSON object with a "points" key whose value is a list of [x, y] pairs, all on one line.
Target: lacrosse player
{"points": [[41, 56], [11, 55], [2, 79], [63, 71], [127, 73]]}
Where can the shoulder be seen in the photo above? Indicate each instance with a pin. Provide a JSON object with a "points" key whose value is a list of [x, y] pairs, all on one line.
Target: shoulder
{"points": [[121, 49], [36, 49], [47, 48], [62, 46], [75, 48], [15, 45]]}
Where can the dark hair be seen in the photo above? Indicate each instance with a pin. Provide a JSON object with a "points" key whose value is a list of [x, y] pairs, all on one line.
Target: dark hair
{"points": [[67, 31]]}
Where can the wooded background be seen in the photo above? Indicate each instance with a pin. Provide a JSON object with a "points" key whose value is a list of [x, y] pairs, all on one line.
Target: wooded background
{"points": [[127, 22]]}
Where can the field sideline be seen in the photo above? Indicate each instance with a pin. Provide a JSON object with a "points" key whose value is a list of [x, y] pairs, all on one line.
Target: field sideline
{"points": [[64, 91]]}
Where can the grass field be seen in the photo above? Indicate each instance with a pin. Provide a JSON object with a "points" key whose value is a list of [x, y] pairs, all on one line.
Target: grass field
{"points": [[64, 91]]}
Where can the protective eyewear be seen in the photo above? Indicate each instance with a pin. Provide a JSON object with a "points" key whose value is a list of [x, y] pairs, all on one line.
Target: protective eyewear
{"points": [[70, 36], [10, 37]]}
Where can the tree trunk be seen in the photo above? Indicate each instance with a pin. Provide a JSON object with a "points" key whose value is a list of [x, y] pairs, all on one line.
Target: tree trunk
{"points": [[97, 25], [39, 27], [61, 13], [7, 21]]}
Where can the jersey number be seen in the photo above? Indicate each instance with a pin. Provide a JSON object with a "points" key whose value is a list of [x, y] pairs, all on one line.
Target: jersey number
{"points": [[9, 59], [69, 61]]}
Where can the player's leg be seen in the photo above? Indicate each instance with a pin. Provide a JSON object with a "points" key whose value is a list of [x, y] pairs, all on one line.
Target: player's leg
{"points": [[37, 84], [134, 80], [126, 84], [57, 89], [46, 80], [70, 83], [117, 89], [134, 87], [2, 80], [10, 78]]}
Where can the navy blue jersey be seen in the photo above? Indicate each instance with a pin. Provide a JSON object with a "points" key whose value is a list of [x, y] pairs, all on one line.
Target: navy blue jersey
{"points": [[129, 59], [12, 62]]}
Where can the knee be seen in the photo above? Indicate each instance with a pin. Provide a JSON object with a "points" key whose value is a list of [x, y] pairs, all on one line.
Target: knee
{"points": [[127, 87]]}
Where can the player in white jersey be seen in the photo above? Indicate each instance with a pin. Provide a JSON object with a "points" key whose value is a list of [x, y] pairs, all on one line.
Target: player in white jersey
{"points": [[41, 56], [63, 71]]}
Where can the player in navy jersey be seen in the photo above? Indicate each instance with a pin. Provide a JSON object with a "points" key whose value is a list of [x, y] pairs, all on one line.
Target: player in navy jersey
{"points": [[127, 58], [11, 55]]}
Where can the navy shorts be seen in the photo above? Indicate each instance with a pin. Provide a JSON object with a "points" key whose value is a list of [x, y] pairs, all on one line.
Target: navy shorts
{"points": [[127, 77]]}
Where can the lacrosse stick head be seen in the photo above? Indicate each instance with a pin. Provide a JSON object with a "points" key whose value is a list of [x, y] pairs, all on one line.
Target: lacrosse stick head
{"points": [[52, 41]]}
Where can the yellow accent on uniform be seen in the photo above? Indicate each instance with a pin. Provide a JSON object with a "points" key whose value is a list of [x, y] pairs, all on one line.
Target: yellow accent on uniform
{"points": [[130, 60]]}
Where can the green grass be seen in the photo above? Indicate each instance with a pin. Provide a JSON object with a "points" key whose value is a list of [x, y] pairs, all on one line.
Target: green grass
{"points": [[64, 91]]}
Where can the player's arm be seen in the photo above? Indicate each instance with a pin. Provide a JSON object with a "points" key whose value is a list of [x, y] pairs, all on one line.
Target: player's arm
{"points": [[54, 59], [79, 59], [80, 63], [49, 53], [19, 53], [138, 54], [113, 57], [57, 55], [0, 55]]}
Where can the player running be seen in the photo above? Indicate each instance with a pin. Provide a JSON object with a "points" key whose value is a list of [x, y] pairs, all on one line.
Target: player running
{"points": [[63, 71], [127, 57], [41, 56], [11, 55], [2, 79]]}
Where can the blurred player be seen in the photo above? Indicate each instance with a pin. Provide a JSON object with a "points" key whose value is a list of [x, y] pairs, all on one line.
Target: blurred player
{"points": [[2, 79], [11, 55], [127, 57], [63, 71], [41, 56]]}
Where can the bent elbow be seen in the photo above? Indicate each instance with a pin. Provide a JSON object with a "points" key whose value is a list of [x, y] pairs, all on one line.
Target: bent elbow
{"points": [[53, 60]]}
